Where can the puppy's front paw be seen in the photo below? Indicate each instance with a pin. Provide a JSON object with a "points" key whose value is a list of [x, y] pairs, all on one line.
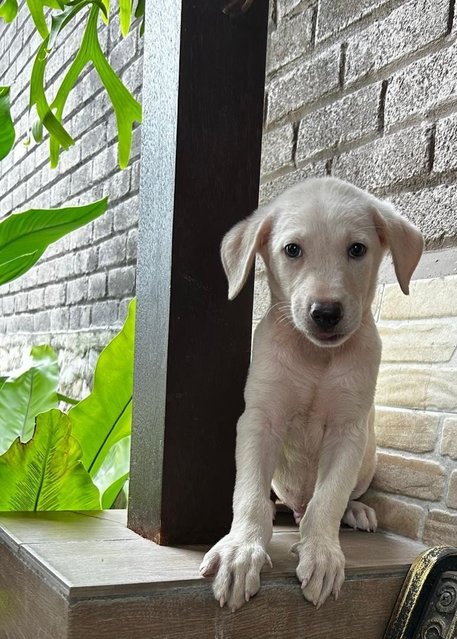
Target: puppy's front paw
{"points": [[236, 565], [359, 515], [320, 569]]}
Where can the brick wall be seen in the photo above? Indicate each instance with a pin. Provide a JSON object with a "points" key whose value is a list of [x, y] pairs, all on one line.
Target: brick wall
{"points": [[367, 91], [77, 296]]}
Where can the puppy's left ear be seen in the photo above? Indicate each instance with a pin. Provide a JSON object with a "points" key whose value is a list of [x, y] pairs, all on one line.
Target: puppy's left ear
{"points": [[402, 238], [239, 247]]}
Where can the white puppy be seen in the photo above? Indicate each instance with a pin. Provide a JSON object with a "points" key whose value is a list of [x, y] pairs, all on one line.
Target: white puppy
{"points": [[307, 429]]}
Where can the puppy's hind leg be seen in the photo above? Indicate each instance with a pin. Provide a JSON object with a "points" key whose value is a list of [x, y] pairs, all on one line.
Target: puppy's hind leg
{"points": [[357, 514]]}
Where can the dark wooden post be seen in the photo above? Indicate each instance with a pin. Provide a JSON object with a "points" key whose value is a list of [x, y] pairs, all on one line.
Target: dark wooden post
{"points": [[203, 107]]}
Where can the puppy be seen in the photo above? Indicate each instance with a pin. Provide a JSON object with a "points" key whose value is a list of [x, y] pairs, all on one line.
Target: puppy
{"points": [[308, 426]]}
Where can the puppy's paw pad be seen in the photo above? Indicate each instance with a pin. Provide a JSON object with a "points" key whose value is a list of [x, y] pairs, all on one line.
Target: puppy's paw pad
{"points": [[360, 516], [320, 570]]}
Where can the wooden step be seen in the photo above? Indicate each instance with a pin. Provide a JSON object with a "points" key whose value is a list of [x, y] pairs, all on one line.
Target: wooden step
{"points": [[85, 575]]}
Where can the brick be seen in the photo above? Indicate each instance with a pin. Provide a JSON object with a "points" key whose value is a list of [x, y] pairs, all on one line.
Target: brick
{"points": [[60, 319], [132, 245], [349, 118], [427, 298], [290, 39], [41, 322], [449, 439], [433, 211], [125, 214], [446, 144], [286, 7], [94, 140], [335, 16], [79, 317], [277, 147], [121, 282], [303, 84], [404, 30], [8, 305], [410, 476], [77, 291], [379, 163], [271, 189], [416, 387], [20, 302], [440, 528], [54, 295], [97, 286], [451, 499], [422, 85], [112, 251], [418, 341], [102, 226], [415, 432], [395, 515], [105, 313], [36, 299], [118, 185], [85, 261], [81, 178]]}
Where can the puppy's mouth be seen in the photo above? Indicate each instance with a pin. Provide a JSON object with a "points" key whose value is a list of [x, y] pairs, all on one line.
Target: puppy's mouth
{"points": [[327, 339]]}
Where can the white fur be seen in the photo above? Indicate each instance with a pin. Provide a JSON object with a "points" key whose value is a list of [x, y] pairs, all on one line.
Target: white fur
{"points": [[307, 429]]}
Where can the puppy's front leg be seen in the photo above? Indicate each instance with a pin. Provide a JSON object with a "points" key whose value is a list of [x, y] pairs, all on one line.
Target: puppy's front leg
{"points": [[321, 560], [237, 559]]}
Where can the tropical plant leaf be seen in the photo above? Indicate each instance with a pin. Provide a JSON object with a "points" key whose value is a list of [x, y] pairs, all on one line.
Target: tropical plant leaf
{"points": [[113, 473], [26, 395], [104, 416], [46, 473], [8, 10], [7, 133], [127, 110], [25, 236], [125, 16], [18, 266], [36, 9]]}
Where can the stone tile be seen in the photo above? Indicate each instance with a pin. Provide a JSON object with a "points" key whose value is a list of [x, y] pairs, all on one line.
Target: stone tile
{"points": [[395, 515], [418, 341], [410, 476], [427, 298], [412, 431], [451, 499], [440, 528], [449, 439]]}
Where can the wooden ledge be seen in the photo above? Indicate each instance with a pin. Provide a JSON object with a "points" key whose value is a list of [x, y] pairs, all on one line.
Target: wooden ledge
{"points": [[68, 574]]}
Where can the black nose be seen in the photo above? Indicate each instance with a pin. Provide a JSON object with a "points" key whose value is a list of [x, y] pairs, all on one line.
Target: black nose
{"points": [[326, 314]]}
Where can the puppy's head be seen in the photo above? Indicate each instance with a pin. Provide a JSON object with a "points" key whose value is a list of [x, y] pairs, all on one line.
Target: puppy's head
{"points": [[322, 242]]}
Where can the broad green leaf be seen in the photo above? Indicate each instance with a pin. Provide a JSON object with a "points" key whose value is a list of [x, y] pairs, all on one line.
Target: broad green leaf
{"points": [[125, 16], [7, 133], [113, 473], [8, 10], [46, 473], [104, 416], [23, 397], [18, 266], [127, 109], [25, 236], [67, 400], [39, 100], [36, 9]]}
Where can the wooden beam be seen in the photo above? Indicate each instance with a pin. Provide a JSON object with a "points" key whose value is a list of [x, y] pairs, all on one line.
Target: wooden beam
{"points": [[203, 110]]}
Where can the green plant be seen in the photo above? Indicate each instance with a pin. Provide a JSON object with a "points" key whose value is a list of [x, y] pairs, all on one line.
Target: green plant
{"points": [[64, 461], [51, 17]]}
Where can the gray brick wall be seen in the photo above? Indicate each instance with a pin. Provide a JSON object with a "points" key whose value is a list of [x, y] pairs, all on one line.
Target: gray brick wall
{"points": [[367, 92], [76, 297]]}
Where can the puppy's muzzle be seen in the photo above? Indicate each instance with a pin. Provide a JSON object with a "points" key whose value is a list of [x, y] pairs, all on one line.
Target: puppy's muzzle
{"points": [[326, 315]]}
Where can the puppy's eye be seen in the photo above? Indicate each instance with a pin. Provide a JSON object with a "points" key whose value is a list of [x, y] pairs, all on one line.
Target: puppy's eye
{"points": [[357, 250], [292, 250]]}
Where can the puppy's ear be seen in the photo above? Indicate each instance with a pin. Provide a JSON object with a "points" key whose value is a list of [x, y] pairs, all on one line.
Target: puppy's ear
{"points": [[239, 247], [403, 239]]}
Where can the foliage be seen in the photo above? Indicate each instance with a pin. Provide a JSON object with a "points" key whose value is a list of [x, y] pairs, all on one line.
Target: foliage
{"points": [[68, 461], [7, 133], [51, 17], [24, 237], [109, 406], [26, 395], [47, 473]]}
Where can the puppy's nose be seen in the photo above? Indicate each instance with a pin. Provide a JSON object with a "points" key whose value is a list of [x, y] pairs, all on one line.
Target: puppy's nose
{"points": [[326, 314]]}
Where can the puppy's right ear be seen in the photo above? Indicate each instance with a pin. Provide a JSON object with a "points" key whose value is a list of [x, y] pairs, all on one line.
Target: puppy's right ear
{"points": [[239, 247]]}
